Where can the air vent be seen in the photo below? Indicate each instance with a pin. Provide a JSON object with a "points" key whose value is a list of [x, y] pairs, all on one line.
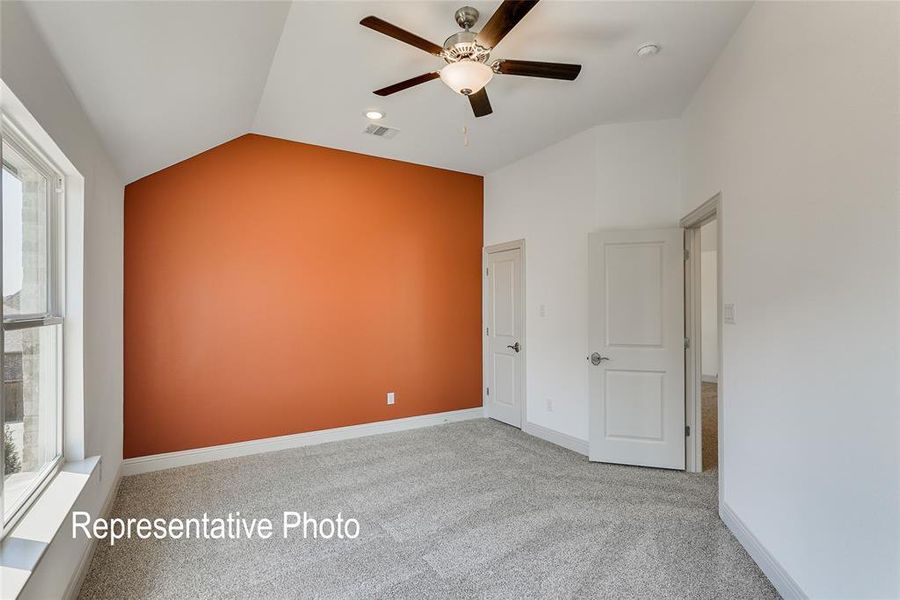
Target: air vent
{"points": [[381, 131]]}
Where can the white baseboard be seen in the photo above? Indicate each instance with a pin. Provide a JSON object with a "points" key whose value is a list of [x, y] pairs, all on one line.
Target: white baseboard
{"points": [[709, 378], [168, 460], [85, 563], [783, 582], [554, 437]]}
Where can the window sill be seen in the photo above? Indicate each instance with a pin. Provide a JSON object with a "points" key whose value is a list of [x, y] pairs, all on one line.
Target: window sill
{"points": [[22, 549]]}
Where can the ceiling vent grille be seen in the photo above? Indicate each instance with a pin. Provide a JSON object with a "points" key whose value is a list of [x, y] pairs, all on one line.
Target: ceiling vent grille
{"points": [[381, 131]]}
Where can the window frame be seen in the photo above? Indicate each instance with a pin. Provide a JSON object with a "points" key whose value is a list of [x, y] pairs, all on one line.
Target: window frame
{"points": [[52, 316]]}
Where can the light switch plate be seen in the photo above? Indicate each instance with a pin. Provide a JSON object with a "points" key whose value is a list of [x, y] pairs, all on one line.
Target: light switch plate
{"points": [[390, 397], [728, 314]]}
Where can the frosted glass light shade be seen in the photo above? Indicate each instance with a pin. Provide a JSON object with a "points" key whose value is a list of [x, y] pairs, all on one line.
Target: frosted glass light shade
{"points": [[466, 76]]}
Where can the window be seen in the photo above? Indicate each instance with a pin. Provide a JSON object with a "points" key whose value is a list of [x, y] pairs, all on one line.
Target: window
{"points": [[32, 322]]}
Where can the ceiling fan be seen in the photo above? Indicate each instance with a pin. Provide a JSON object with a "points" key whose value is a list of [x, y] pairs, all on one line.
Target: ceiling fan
{"points": [[467, 53]]}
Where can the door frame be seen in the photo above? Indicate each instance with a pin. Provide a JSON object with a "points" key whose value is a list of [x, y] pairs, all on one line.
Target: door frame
{"points": [[513, 245], [709, 210]]}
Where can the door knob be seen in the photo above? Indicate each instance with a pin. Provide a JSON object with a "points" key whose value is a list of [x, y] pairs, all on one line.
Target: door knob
{"points": [[596, 359], [514, 347]]}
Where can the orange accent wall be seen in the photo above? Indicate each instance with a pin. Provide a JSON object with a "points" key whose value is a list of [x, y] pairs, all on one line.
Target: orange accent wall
{"points": [[273, 287]]}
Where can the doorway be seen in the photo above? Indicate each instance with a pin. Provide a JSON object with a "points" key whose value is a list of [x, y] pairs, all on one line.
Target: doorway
{"points": [[504, 332], [703, 372], [709, 347]]}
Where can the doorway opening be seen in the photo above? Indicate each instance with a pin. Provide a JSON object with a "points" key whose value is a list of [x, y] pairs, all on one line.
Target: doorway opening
{"points": [[709, 347], [703, 355]]}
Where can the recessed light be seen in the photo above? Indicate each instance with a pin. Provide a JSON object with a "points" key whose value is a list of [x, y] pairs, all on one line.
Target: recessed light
{"points": [[648, 50], [374, 114]]}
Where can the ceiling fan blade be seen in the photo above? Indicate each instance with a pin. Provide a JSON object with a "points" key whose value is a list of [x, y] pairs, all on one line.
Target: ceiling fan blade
{"points": [[401, 34], [530, 68], [481, 106], [503, 20], [398, 87]]}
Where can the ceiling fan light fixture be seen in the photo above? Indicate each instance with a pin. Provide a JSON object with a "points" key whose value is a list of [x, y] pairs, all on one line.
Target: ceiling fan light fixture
{"points": [[466, 77], [467, 54]]}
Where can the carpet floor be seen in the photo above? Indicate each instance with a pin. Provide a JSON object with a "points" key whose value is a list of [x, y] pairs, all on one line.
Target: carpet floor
{"points": [[466, 510], [709, 415]]}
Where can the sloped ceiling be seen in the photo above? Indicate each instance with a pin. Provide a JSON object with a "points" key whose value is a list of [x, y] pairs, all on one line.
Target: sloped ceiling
{"points": [[163, 81]]}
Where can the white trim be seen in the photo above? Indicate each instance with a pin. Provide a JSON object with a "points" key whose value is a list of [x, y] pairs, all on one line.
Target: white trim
{"points": [[87, 555], [720, 324], [709, 378], [72, 240], [777, 574], [22, 141], [555, 437], [44, 521], [692, 354], [703, 213], [42, 481], [169, 460], [711, 209]]}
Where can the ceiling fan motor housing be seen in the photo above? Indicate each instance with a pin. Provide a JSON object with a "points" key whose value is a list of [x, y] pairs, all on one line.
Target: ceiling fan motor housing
{"points": [[462, 46]]}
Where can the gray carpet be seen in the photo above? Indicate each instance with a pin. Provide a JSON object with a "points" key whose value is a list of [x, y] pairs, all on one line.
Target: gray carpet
{"points": [[466, 510]]}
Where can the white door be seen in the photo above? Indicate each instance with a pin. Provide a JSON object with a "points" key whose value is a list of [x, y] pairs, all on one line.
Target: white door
{"points": [[505, 316], [637, 347]]}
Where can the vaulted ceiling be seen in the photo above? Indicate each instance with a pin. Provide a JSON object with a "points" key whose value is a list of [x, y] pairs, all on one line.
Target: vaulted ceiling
{"points": [[163, 81]]}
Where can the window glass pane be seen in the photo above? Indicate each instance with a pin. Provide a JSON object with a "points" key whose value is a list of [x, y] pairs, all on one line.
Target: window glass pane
{"points": [[31, 409], [25, 235]]}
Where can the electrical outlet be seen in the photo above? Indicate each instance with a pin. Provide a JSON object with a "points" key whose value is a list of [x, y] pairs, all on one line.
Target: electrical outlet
{"points": [[549, 405], [542, 310], [390, 397]]}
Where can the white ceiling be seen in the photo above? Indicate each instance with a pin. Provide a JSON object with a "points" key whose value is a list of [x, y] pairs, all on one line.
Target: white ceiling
{"points": [[163, 81]]}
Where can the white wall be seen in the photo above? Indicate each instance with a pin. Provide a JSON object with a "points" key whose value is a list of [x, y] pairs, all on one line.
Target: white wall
{"points": [[797, 126], [31, 72], [709, 347], [613, 176], [709, 326]]}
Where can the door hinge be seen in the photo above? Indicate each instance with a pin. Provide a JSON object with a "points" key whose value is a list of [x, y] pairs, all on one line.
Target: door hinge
{"points": [[687, 431], [486, 272], [687, 254], [487, 391], [687, 343], [487, 331]]}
